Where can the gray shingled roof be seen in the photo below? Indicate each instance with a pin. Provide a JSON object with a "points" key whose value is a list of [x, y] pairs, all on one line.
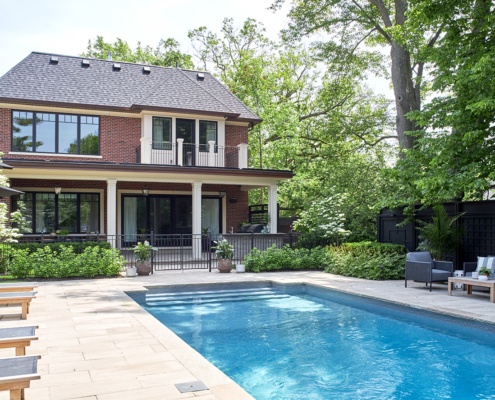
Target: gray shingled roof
{"points": [[36, 80]]}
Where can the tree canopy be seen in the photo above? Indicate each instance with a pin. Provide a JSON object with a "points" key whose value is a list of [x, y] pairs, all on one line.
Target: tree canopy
{"points": [[321, 121], [166, 54]]}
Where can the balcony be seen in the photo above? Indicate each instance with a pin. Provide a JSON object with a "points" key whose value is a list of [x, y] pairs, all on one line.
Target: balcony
{"points": [[192, 155]]}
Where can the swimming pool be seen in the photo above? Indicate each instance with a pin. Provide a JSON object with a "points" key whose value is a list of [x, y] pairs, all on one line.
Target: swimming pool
{"points": [[306, 342]]}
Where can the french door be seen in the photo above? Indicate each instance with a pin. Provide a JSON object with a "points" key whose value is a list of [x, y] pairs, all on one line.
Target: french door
{"points": [[185, 130]]}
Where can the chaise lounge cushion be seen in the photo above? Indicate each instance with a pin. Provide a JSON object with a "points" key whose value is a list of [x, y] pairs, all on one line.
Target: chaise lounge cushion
{"points": [[488, 262]]}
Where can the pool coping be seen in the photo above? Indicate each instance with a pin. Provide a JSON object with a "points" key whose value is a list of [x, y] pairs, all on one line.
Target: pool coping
{"points": [[83, 321]]}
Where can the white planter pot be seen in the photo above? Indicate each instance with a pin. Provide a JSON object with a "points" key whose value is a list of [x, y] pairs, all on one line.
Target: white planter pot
{"points": [[482, 278], [131, 271], [240, 268]]}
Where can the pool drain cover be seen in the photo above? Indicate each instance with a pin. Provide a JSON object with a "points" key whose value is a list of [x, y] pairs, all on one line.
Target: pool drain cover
{"points": [[195, 386]]}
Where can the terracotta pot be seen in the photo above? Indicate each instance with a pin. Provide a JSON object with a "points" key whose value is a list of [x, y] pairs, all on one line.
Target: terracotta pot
{"points": [[143, 267], [224, 265]]}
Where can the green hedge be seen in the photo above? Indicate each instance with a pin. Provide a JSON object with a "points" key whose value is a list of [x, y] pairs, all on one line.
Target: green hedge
{"points": [[78, 247], [62, 261], [276, 259], [368, 260]]}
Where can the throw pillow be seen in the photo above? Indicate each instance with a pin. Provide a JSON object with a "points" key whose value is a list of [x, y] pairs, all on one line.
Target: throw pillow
{"points": [[488, 262]]}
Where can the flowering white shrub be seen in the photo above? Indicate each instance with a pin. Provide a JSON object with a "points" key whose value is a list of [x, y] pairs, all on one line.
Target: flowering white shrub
{"points": [[324, 217]]}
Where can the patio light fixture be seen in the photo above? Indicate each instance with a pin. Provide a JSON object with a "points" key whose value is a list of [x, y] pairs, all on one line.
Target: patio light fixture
{"points": [[146, 191], [58, 190]]}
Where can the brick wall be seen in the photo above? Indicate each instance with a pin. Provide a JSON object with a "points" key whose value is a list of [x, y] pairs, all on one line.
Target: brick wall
{"points": [[119, 139], [235, 135], [4, 130]]}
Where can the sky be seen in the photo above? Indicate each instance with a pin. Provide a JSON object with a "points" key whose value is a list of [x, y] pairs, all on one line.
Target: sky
{"points": [[65, 26]]}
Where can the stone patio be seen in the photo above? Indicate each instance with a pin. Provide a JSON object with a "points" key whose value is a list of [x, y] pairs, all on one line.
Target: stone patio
{"points": [[97, 344]]}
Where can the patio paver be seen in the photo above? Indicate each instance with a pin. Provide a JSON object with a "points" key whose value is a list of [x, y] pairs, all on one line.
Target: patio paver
{"points": [[97, 344]]}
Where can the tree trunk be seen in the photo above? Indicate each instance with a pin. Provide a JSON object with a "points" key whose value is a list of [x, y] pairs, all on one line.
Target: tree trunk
{"points": [[406, 96]]}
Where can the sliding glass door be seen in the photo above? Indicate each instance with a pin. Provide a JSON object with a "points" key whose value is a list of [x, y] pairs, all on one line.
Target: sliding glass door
{"points": [[166, 215]]}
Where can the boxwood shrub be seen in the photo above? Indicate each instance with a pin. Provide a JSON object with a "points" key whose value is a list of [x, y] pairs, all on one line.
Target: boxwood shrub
{"points": [[286, 258], [61, 261], [368, 260]]}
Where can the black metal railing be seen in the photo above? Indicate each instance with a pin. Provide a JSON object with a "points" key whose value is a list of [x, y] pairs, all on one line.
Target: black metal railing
{"points": [[175, 252]]}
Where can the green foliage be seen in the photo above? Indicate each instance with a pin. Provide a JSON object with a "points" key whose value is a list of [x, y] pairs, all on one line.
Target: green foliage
{"points": [[367, 260], [166, 54], [62, 262], [142, 251], [275, 259], [223, 249], [454, 157], [318, 120], [441, 235], [324, 218], [78, 247]]}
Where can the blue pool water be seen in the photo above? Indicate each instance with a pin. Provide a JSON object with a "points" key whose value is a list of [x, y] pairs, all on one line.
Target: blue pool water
{"points": [[304, 342]]}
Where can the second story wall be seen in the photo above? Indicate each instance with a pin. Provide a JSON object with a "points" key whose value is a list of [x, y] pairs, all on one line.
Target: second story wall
{"points": [[120, 137], [236, 134]]}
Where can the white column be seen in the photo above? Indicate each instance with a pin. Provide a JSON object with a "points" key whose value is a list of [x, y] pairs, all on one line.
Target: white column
{"points": [[145, 150], [112, 210], [196, 219], [180, 143], [243, 155], [272, 208], [211, 153]]}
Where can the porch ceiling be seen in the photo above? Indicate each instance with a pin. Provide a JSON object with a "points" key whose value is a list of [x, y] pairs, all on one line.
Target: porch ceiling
{"points": [[247, 178]]}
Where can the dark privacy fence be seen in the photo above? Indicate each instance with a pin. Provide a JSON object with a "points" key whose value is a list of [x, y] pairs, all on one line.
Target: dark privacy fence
{"points": [[478, 229]]}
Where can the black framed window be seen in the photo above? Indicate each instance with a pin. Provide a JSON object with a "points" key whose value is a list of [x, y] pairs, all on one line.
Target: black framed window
{"points": [[55, 133], [162, 133], [49, 212], [207, 132]]}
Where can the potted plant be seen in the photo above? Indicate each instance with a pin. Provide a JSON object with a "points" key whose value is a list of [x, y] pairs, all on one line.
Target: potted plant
{"points": [[142, 253], [484, 273], [224, 251], [441, 235]]}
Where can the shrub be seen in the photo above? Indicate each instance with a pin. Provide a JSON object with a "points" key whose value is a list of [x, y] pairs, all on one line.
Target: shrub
{"points": [[78, 247], [63, 262], [368, 260], [286, 258]]}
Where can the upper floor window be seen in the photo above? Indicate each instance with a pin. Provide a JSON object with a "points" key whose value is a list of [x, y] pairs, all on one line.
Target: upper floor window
{"points": [[162, 133], [41, 132], [207, 133]]}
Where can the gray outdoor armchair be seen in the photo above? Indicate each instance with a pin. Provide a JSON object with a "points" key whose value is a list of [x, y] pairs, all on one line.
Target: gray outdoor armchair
{"points": [[420, 267]]}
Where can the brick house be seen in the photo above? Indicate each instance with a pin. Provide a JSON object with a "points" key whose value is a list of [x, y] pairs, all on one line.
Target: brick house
{"points": [[121, 148]]}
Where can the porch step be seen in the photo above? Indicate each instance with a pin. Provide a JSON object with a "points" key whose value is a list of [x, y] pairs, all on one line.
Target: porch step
{"points": [[204, 297]]}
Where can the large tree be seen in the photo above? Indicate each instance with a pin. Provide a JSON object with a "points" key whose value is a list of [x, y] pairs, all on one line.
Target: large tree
{"points": [[318, 120], [454, 157], [352, 27], [166, 54]]}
